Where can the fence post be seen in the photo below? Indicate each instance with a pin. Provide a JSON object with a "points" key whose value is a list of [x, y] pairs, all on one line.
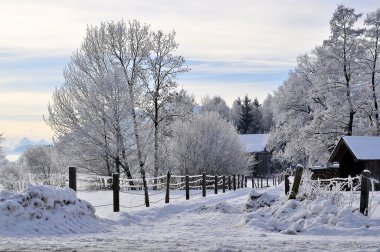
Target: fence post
{"points": [[224, 183], [73, 178], [216, 184], [116, 190], [287, 185], [167, 196], [204, 185], [229, 183], [187, 185], [296, 182], [364, 192], [234, 181]]}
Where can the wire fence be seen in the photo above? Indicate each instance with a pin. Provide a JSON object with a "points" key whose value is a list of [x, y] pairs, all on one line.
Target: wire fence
{"points": [[158, 189]]}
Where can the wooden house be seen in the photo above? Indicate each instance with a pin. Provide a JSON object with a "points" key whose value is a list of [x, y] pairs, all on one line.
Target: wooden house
{"points": [[356, 154], [327, 171], [255, 146]]}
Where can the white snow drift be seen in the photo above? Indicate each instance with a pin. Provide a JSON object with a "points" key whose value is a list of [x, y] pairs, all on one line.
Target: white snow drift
{"points": [[267, 211], [44, 210]]}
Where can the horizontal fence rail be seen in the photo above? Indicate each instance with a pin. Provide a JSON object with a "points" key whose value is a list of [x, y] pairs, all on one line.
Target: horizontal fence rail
{"points": [[160, 186]]}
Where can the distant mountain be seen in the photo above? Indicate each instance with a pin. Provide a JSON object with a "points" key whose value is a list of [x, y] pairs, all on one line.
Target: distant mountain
{"points": [[25, 144], [25, 141]]}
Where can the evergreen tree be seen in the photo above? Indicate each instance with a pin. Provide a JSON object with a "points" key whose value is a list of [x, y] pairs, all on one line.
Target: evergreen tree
{"points": [[256, 124], [247, 116]]}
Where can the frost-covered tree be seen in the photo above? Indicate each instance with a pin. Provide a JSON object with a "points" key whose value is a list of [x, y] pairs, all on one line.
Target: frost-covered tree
{"points": [[45, 163], [216, 104], [100, 101], [236, 112], [207, 143], [182, 106], [329, 94], [2, 154], [371, 64], [267, 113], [91, 110], [163, 69], [342, 50], [291, 112], [12, 177]]}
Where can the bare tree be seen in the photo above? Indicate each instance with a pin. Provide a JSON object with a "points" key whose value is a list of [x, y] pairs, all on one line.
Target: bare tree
{"points": [[161, 83]]}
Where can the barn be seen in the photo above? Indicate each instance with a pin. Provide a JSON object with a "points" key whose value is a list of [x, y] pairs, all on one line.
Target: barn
{"points": [[255, 146], [356, 154]]}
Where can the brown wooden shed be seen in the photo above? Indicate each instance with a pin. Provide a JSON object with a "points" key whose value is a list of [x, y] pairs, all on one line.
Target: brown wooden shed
{"points": [[255, 146], [356, 154]]}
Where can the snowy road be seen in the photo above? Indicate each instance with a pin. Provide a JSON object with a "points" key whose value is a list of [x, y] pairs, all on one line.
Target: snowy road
{"points": [[215, 223]]}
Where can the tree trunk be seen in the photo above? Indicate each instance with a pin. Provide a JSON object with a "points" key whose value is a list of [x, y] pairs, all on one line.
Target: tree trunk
{"points": [[373, 83], [156, 166], [138, 146], [375, 100], [347, 77]]}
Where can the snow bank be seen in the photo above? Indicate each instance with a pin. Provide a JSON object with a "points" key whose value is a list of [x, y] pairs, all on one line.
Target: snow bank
{"points": [[320, 216], [45, 210]]}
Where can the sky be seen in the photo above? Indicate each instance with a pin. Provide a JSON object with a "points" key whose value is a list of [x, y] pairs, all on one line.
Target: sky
{"points": [[232, 47]]}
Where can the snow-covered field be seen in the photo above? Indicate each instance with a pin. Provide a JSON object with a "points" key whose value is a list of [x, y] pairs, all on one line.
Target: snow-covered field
{"points": [[219, 222]]}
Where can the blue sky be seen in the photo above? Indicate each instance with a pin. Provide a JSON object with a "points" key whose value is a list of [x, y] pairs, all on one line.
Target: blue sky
{"points": [[233, 47]]}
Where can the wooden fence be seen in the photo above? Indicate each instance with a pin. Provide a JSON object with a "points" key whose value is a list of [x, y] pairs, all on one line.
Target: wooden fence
{"points": [[168, 183], [364, 182], [222, 183]]}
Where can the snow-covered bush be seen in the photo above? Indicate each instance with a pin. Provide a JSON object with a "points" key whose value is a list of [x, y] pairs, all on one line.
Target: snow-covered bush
{"points": [[320, 206], [342, 192], [12, 177], [43, 164], [317, 215], [207, 143]]}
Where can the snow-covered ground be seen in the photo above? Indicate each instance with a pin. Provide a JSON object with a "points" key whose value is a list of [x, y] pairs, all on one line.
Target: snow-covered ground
{"points": [[216, 223]]}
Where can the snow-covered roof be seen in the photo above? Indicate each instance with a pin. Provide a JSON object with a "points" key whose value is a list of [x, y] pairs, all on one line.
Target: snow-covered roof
{"points": [[254, 142], [362, 147]]}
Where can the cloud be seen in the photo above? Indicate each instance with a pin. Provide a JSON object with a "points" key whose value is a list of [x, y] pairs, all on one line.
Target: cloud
{"points": [[14, 130], [234, 48], [19, 72], [23, 105], [230, 91], [206, 29]]}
